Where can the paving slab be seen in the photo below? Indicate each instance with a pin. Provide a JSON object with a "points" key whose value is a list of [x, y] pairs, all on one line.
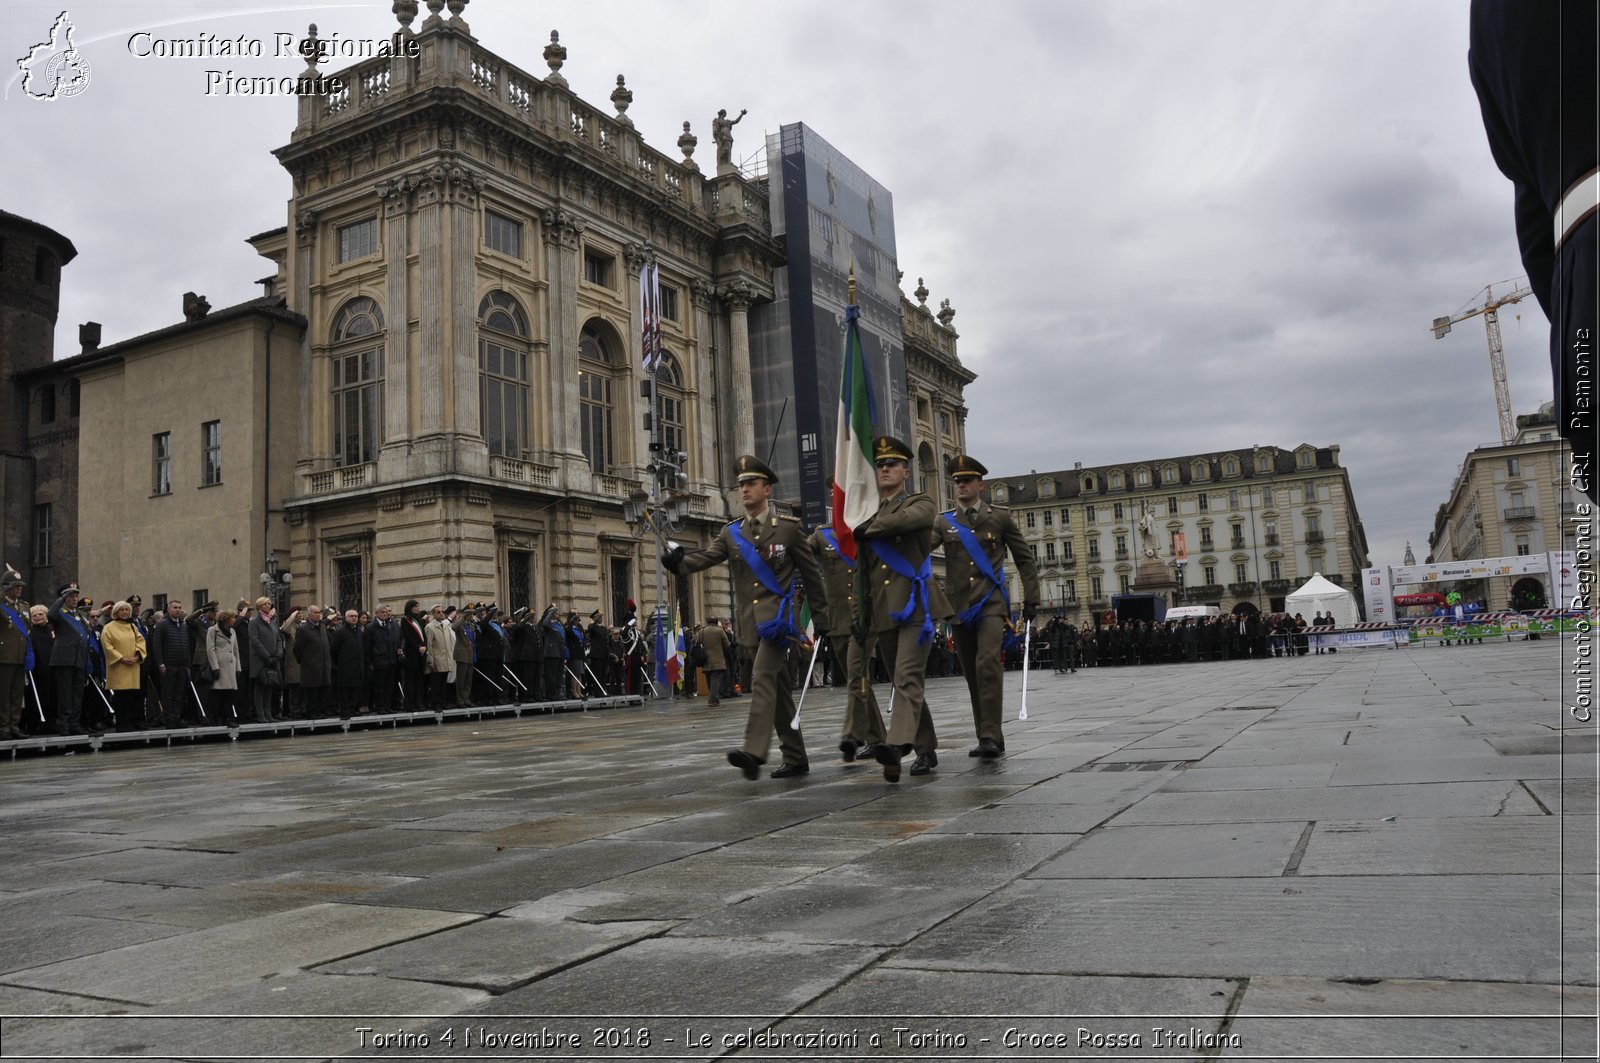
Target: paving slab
{"points": [[1334, 802], [1521, 845], [1206, 850], [495, 954], [997, 1015], [183, 965], [834, 913], [521, 875], [1488, 765], [1397, 1018], [277, 1017], [1454, 926], [45, 938]]}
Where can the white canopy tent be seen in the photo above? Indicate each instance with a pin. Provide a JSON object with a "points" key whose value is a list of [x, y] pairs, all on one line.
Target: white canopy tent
{"points": [[1322, 595]]}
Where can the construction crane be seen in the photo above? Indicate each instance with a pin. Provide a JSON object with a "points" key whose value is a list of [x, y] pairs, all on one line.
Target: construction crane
{"points": [[1488, 304]]}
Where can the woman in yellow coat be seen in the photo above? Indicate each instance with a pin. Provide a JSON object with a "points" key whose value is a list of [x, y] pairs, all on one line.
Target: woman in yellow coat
{"points": [[125, 650]]}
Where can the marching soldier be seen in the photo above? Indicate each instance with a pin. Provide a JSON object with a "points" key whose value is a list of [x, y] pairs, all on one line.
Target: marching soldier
{"points": [[893, 548], [766, 553], [863, 721]]}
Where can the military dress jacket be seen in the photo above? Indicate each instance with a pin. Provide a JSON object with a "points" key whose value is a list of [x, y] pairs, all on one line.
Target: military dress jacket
{"points": [[906, 523], [839, 576], [997, 532], [786, 550]]}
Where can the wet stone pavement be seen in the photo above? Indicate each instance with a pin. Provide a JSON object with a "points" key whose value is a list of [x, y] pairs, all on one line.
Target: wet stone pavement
{"points": [[1380, 854]]}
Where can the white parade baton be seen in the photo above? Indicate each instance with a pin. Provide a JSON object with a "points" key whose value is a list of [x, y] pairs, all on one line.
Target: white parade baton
{"points": [[816, 647], [1027, 644], [36, 702]]}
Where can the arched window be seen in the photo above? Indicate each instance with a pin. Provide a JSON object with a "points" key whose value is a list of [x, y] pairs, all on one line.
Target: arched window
{"points": [[669, 387], [597, 362], [1141, 476], [503, 374], [357, 382], [1169, 473], [1230, 466], [1115, 480]]}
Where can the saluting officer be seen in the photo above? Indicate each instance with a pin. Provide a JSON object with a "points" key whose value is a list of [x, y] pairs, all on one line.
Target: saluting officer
{"points": [[863, 721], [765, 552], [893, 549], [976, 537]]}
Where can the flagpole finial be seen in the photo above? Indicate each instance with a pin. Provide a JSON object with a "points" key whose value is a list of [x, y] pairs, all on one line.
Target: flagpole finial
{"points": [[850, 285]]}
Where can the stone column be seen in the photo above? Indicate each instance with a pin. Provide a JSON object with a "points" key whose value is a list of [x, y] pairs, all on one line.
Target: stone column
{"points": [[458, 413], [562, 231], [305, 227], [702, 294], [395, 197], [738, 299]]}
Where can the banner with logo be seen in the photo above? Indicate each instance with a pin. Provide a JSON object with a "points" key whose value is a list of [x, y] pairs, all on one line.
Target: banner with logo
{"points": [[1376, 591]]}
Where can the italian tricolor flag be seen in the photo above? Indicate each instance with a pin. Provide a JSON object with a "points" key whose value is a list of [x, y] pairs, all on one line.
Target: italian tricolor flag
{"points": [[855, 487]]}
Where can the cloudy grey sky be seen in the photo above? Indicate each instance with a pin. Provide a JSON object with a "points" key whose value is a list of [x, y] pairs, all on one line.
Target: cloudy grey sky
{"points": [[1166, 227]]}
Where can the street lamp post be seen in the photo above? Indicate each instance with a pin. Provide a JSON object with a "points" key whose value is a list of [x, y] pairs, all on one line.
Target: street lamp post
{"points": [[275, 583]]}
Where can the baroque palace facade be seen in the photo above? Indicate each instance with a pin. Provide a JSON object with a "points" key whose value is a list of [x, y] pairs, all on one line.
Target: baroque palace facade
{"points": [[439, 394], [1255, 523]]}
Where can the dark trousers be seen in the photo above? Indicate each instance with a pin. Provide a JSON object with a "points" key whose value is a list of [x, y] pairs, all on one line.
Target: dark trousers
{"points": [[11, 694], [383, 689], [179, 702], [70, 680], [492, 682], [313, 702], [347, 699], [553, 677], [130, 709], [464, 675], [224, 707], [265, 701], [436, 690], [411, 685]]}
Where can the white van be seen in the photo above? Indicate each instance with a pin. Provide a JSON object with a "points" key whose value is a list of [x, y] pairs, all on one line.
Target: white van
{"points": [[1186, 612]]}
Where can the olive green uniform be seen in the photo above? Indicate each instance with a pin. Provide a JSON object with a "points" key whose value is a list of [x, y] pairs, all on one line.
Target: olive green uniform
{"points": [[863, 720], [978, 643], [906, 522], [785, 548]]}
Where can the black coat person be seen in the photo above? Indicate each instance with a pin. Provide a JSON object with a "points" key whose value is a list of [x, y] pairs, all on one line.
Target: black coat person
{"points": [[347, 652], [1533, 66]]}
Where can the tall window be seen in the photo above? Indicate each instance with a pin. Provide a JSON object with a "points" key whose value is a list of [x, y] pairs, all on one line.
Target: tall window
{"points": [[1065, 523], [1067, 549], [501, 233], [1313, 524], [1274, 569], [669, 386], [519, 578], [503, 375], [1095, 588], [210, 453], [597, 268], [1072, 590], [1094, 548], [1030, 520], [1049, 551], [1211, 575], [1122, 583], [669, 303], [1088, 514], [1048, 518], [1205, 538], [1240, 572], [200, 597], [358, 382], [74, 397], [1172, 505], [1205, 503], [161, 461], [42, 519], [349, 583], [595, 362], [1116, 511], [47, 404], [358, 240], [1122, 546], [1266, 496]]}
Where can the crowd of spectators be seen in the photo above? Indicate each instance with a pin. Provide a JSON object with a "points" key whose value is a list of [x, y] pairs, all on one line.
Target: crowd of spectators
{"points": [[74, 667]]}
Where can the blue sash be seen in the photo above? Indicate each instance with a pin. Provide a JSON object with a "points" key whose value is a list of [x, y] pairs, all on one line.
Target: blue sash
{"points": [[919, 585], [91, 645], [980, 557], [829, 538], [782, 626], [27, 637]]}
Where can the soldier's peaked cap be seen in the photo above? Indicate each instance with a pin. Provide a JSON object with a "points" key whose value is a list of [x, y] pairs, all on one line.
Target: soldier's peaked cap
{"points": [[967, 465], [749, 467], [888, 448]]}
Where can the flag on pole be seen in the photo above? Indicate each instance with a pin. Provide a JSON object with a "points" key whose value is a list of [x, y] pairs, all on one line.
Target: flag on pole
{"points": [[855, 486], [675, 658], [650, 314]]}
